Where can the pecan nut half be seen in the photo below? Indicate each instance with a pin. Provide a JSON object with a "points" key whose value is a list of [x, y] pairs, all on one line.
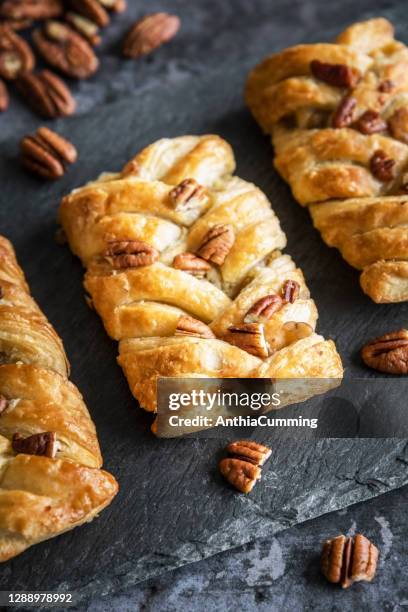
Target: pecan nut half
{"points": [[249, 337], [382, 166], [243, 475], [290, 291], [18, 24], [46, 153], [337, 75], [93, 10], [344, 114], [188, 326], [217, 243], [188, 262], [371, 122], [4, 97], [46, 93], [3, 404], [398, 124], [149, 33], [84, 26], [264, 309], [187, 195], [249, 450], [31, 9], [38, 444], [345, 560], [131, 254], [16, 56], [388, 353], [66, 50]]}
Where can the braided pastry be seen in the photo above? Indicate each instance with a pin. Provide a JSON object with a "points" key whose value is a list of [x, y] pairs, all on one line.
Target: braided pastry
{"points": [[184, 267], [338, 116], [50, 476]]}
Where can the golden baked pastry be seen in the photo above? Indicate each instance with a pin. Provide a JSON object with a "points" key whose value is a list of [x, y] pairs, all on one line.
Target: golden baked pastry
{"points": [[338, 116], [184, 266], [50, 476]]}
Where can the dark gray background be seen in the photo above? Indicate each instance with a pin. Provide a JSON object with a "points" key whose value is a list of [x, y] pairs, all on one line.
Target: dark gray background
{"points": [[226, 37]]}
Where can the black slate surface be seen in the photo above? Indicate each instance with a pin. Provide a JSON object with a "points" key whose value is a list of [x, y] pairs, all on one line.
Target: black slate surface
{"points": [[172, 508]]}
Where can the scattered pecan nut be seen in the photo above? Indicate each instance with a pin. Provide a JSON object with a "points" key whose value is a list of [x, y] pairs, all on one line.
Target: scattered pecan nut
{"points": [[17, 24], [38, 444], [217, 243], [382, 166], [188, 326], [248, 450], [3, 404], [290, 291], [47, 153], [31, 9], [249, 337], [131, 254], [371, 122], [66, 50], [337, 75], [92, 9], [4, 97], [398, 124], [345, 560], [344, 114], [388, 353], [263, 309], [15, 54], [188, 262], [84, 26], [242, 468], [149, 33], [46, 93], [187, 195]]}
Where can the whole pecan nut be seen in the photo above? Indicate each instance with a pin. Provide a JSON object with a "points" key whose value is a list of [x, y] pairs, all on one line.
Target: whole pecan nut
{"points": [[371, 122], [188, 326], [149, 33], [249, 450], [217, 243], [3, 404], [345, 560], [4, 97], [66, 50], [344, 113], [188, 262], [91, 9], [249, 337], [46, 153], [388, 353], [31, 9], [382, 166], [187, 195], [46, 93], [263, 309], [15, 54], [290, 291], [131, 254], [84, 26], [337, 75], [398, 124], [38, 444]]}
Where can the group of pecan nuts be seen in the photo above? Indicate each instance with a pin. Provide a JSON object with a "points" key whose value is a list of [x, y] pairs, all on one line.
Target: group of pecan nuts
{"points": [[65, 39]]}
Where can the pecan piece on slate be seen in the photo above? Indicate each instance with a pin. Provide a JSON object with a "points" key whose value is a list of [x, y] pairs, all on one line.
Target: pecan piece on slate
{"points": [[243, 475], [388, 353], [131, 254], [248, 450], [3, 404], [16, 56], [371, 122], [92, 9], [263, 309], [217, 243], [382, 166], [344, 114], [188, 262], [4, 97], [290, 291], [66, 50], [249, 337], [188, 326], [46, 153], [31, 9], [46, 93], [345, 560], [149, 33], [337, 75], [398, 124], [84, 26], [38, 444], [187, 195]]}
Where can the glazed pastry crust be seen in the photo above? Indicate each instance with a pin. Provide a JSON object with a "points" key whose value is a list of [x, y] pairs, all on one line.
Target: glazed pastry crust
{"points": [[329, 166], [41, 496], [142, 305]]}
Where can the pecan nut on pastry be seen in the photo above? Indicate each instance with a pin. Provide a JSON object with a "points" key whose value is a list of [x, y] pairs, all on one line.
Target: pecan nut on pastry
{"points": [[38, 444], [149, 33], [290, 291], [188, 326], [188, 262], [131, 253], [371, 122], [46, 153], [16, 56], [388, 353], [249, 337], [338, 75], [264, 309], [46, 94], [382, 166], [187, 194], [345, 560], [242, 468], [217, 243], [344, 114]]}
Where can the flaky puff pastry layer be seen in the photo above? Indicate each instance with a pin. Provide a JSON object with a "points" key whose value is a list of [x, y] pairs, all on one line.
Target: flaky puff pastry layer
{"points": [[327, 155], [142, 306], [41, 496]]}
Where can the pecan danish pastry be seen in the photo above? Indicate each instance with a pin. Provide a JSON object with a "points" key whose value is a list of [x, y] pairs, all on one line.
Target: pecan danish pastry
{"points": [[184, 266], [50, 476], [338, 116]]}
